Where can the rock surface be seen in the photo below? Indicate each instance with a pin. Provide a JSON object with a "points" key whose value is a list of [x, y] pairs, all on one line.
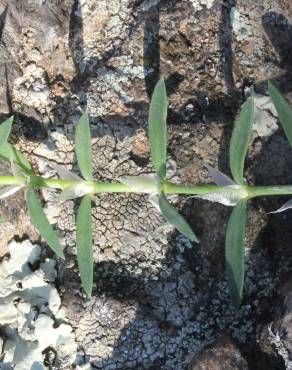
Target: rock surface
{"points": [[279, 332], [222, 354], [33, 323], [157, 298]]}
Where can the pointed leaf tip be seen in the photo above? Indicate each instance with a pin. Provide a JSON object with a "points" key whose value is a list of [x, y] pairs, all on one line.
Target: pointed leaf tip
{"points": [[157, 128], [8, 152], [84, 244], [42, 224], [234, 253], [175, 219], [5, 129], [285, 206], [63, 173], [283, 109], [240, 140], [219, 177], [83, 147], [7, 191]]}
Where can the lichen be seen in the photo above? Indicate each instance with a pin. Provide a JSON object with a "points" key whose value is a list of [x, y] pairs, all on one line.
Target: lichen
{"points": [[200, 4], [240, 25], [31, 316]]}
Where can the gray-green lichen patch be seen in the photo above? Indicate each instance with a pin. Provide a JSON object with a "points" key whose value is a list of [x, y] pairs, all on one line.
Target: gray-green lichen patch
{"points": [[31, 89], [240, 25], [200, 4], [32, 320], [277, 342], [265, 119]]}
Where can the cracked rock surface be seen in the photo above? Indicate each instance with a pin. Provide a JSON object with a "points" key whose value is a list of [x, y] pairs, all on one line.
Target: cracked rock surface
{"points": [[158, 299], [32, 320], [276, 335]]}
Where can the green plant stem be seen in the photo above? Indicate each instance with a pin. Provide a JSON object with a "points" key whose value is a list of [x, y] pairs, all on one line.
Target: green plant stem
{"points": [[167, 187], [171, 188], [260, 191], [9, 180], [113, 187], [40, 182]]}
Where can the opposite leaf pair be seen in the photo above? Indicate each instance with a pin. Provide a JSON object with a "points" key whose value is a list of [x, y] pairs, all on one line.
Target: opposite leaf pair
{"points": [[158, 144], [23, 175], [25, 178], [229, 192], [232, 193], [234, 244]]}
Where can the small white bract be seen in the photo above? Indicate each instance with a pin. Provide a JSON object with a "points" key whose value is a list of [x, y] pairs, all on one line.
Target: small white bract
{"points": [[22, 178], [83, 188], [6, 191], [229, 196], [142, 184], [219, 177], [287, 205], [77, 190]]}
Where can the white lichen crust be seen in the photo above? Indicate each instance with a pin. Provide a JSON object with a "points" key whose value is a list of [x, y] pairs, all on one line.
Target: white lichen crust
{"points": [[33, 324]]}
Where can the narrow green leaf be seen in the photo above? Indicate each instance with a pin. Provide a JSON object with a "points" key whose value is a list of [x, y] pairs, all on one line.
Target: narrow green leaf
{"points": [[175, 219], [240, 140], [158, 129], [8, 152], [283, 109], [40, 221], [83, 147], [234, 252], [5, 129], [84, 244]]}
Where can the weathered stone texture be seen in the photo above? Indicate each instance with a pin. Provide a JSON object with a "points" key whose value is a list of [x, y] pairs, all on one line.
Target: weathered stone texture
{"points": [[157, 298]]}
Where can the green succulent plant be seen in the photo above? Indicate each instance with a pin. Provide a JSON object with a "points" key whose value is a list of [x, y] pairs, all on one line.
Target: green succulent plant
{"points": [[231, 192]]}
